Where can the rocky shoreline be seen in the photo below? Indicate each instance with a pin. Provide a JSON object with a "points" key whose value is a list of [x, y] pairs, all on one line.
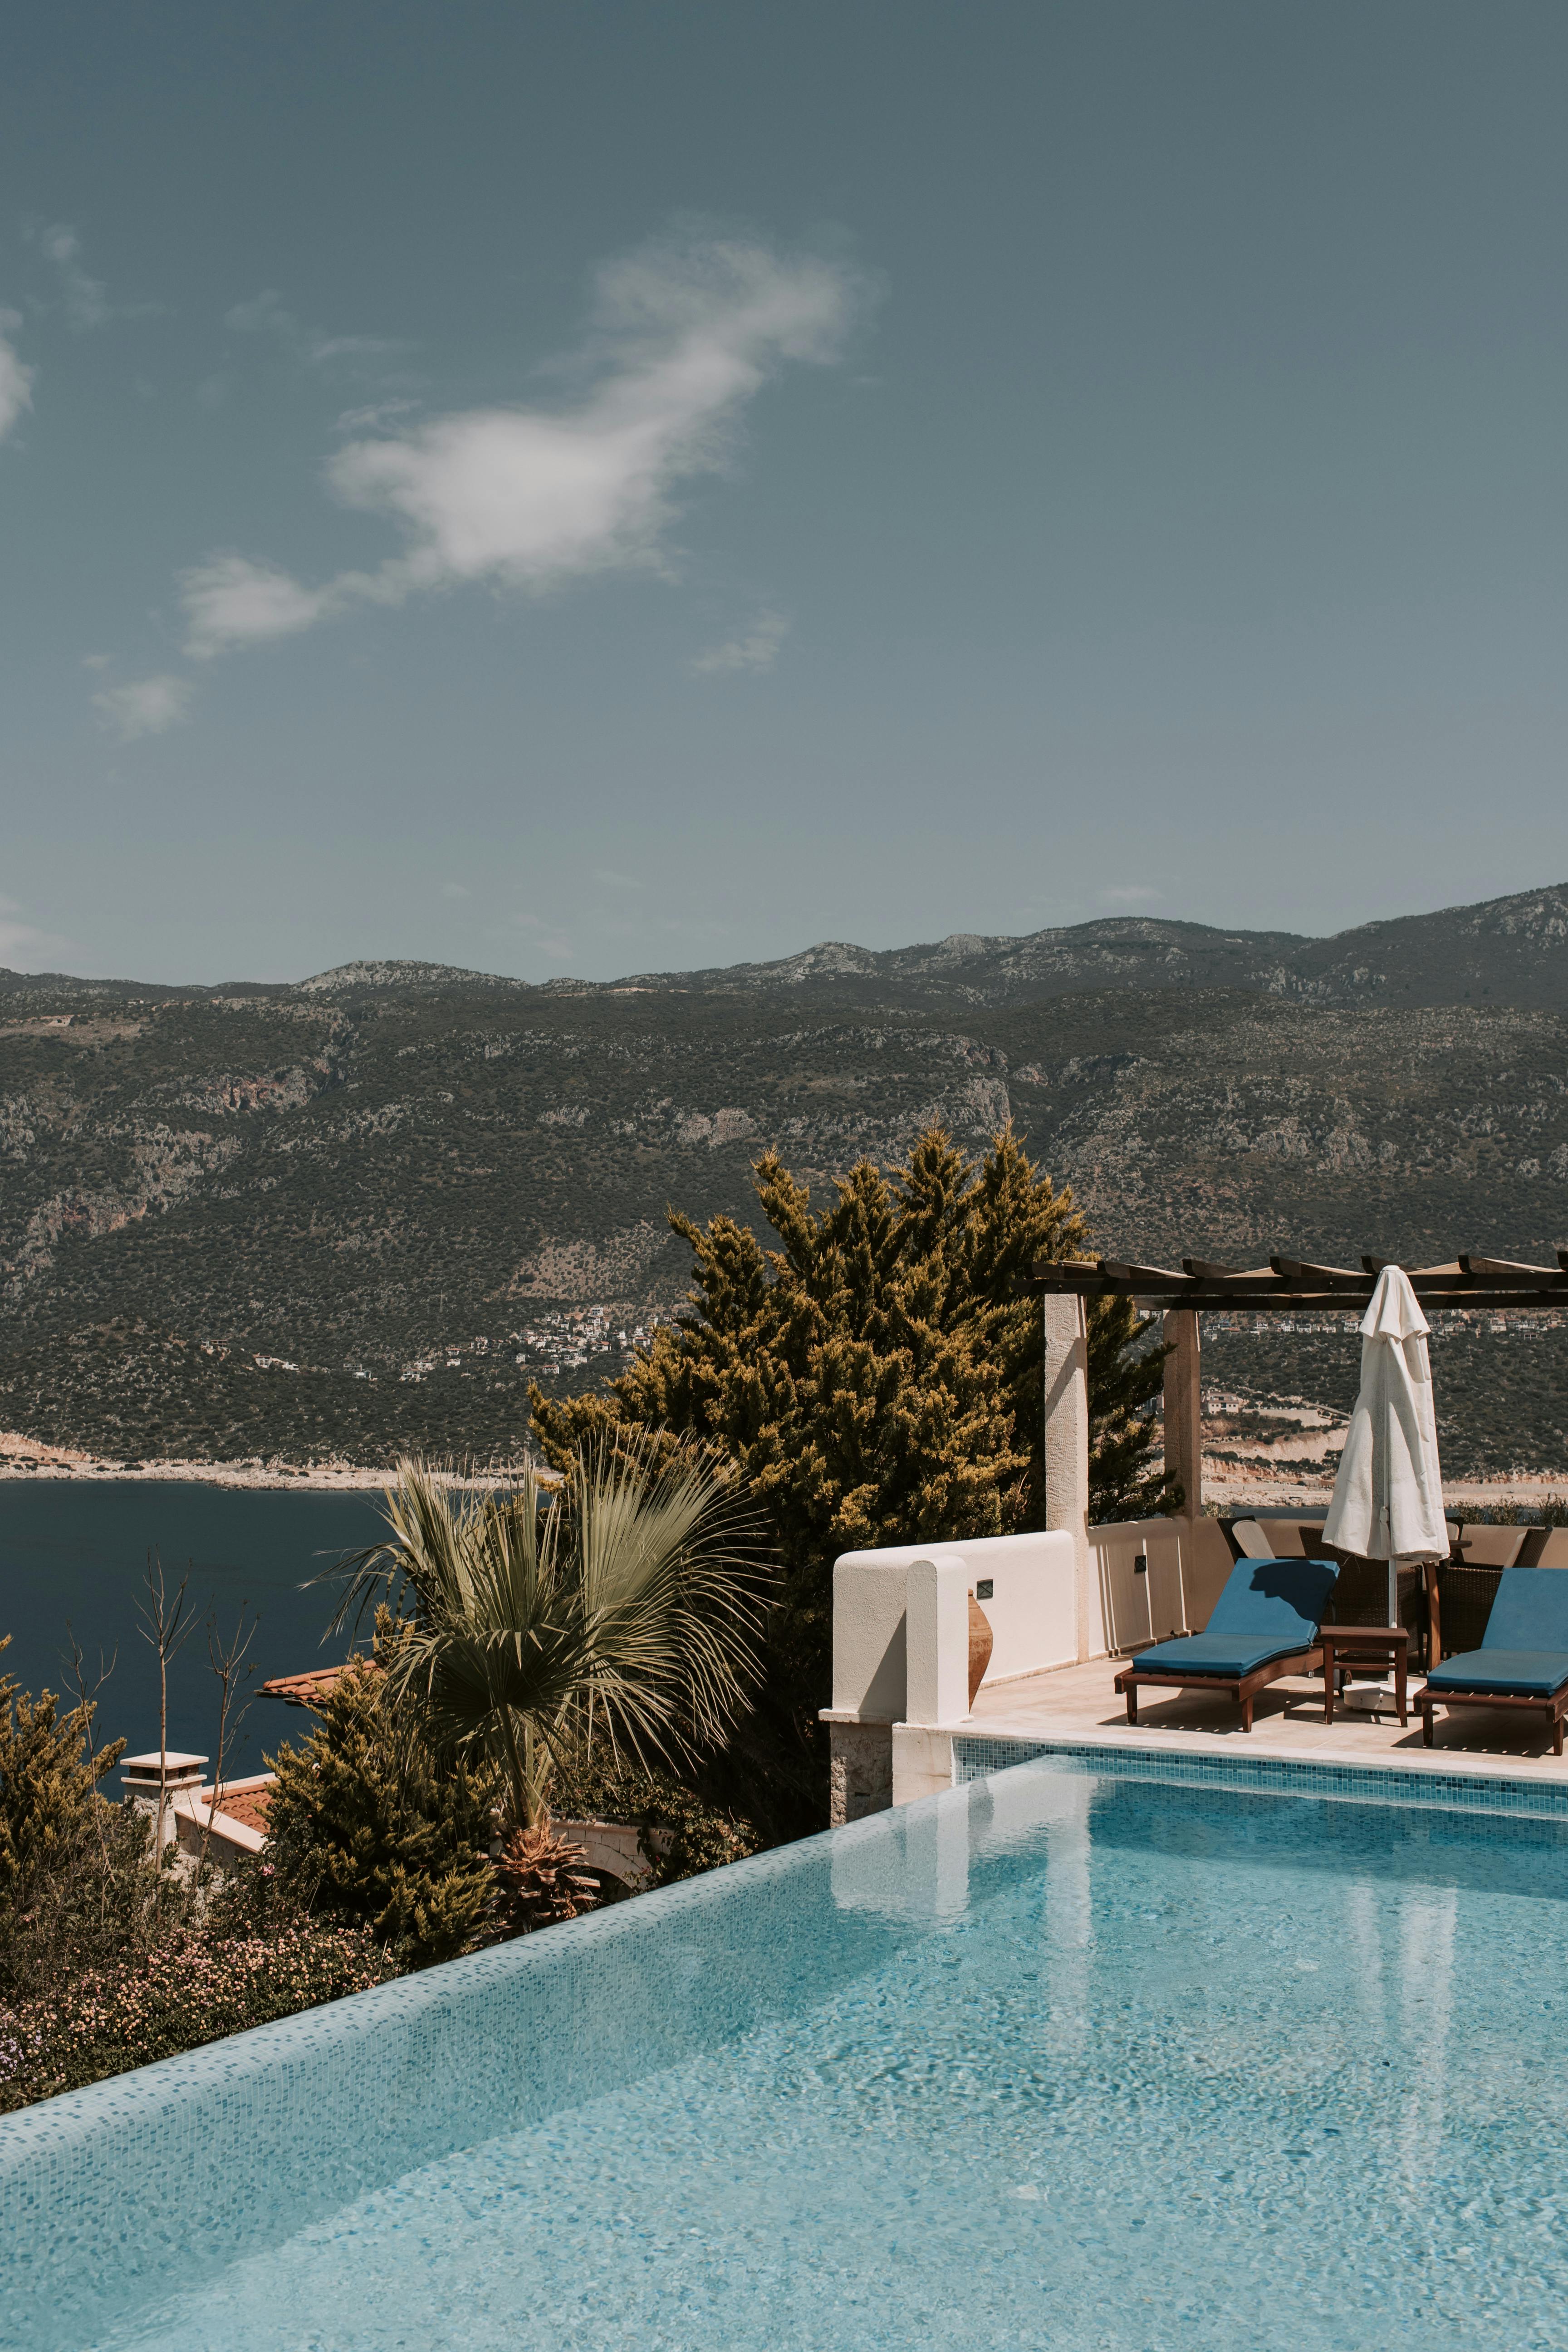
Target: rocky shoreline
{"points": [[25, 1458], [1227, 1487]]}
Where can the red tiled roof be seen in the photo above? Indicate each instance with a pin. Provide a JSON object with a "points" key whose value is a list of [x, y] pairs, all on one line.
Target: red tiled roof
{"points": [[246, 1806], [302, 1690]]}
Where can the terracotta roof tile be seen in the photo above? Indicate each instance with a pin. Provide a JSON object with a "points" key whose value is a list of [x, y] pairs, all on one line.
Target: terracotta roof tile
{"points": [[302, 1690], [247, 1806]]}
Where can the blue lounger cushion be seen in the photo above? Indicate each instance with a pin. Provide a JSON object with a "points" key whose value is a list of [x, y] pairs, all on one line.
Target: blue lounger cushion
{"points": [[1524, 1650], [1194, 1653], [1515, 1674], [1269, 1609]]}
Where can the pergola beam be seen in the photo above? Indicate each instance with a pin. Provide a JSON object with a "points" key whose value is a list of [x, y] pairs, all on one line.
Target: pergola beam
{"points": [[1296, 1286], [1286, 1285]]}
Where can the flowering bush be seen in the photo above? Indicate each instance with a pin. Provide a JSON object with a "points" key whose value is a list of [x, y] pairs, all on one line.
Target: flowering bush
{"points": [[190, 1989]]}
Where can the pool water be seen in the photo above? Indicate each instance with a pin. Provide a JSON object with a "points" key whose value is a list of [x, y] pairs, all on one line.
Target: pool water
{"points": [[1066, 2057]]}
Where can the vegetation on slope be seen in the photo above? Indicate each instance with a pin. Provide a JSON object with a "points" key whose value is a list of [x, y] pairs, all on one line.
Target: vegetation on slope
{"points": [[283, 1222]]}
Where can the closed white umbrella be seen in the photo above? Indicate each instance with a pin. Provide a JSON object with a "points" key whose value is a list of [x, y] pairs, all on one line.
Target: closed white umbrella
{"points": [[1388, 1497]]}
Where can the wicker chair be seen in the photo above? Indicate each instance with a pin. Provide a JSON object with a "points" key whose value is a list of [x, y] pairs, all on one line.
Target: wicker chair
{"points": [[1361, 1597]]}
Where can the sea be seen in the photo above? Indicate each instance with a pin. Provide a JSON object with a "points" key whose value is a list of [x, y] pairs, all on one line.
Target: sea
{"points": [[74, 1558]]}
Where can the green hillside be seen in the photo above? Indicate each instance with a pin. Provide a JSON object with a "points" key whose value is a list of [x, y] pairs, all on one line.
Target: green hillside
{"points": [[332, 1218]]}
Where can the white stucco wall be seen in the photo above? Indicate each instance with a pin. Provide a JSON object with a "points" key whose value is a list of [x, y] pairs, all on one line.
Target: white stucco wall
{"points": [[900, 1621], [900, 1628]]}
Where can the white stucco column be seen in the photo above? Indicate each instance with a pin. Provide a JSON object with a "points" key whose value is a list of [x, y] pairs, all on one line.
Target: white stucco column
{"points": [[1067, 1446]]}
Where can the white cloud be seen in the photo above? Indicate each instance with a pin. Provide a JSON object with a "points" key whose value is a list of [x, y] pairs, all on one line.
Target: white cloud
{"points": [[1130, 894], [608, 879], [148, 706], [755, 650], [233, 602], [16, 380], [683, 337], [455, 890]]}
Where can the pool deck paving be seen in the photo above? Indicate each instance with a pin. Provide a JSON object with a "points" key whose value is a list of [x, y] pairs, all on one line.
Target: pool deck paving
{"points": [[1078, 1703]]}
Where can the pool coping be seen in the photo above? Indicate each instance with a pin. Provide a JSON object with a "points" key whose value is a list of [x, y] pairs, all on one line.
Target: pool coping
{"points": [[1483, 1784]]}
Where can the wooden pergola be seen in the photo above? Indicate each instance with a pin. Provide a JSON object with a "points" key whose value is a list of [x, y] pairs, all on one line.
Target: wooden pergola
{"points": [[1286, 1285]]}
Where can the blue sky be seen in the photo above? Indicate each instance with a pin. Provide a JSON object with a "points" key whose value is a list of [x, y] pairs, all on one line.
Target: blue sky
{"points": [[588, 489]]}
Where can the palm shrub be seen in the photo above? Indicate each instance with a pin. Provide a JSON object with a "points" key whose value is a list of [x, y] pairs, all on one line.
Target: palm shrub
{"points": [[620, 1608], [876, 1379], [366, 1825]]}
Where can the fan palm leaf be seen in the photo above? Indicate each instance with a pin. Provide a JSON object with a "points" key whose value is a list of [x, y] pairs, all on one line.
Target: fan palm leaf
{"points": [[624, 1602]]}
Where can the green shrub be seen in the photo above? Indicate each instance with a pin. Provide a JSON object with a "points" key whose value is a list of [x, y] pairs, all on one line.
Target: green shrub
{"points": [[77, 1884], [365, 1825], [683, 1832]]}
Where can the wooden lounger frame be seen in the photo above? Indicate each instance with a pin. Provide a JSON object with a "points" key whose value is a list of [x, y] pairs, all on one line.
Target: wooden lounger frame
{"points": [[1243, 1688], [1552, 1707]]}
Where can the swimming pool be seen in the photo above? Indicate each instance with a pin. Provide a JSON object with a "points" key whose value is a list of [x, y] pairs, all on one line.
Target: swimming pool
{"points": [[1088, 2054]]}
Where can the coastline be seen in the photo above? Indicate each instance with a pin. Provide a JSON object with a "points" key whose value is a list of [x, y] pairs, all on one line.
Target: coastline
{"points": [[1225, 1485], [23, 1457]]}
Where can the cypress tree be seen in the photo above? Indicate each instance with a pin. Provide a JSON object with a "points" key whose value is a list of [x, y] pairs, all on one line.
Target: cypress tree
{"points": [[876, 1379]]}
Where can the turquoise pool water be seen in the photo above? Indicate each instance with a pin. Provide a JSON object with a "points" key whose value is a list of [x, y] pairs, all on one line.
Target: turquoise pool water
{"points": [[1066, 2057]]}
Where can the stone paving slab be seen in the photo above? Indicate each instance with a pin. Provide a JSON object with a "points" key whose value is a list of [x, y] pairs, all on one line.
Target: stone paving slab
{"points": [[1080, 1703]]}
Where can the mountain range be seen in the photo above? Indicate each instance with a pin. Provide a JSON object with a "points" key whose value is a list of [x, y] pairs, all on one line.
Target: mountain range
{"points": [[363, 1210]]}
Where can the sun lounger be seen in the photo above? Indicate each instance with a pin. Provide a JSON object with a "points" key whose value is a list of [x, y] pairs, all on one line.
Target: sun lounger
{"points": [[1265, 1625], [1522, 1661]]}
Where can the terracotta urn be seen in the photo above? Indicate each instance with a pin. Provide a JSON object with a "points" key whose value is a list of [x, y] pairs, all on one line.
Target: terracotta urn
{"points": [[981, 1644]]}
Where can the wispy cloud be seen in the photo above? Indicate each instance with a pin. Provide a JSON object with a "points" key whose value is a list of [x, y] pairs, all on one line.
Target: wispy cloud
{"points": [[265, 315], [1129, 894], [230, 601], [25, 947], [370, 419], [147, 706], [683, 336], [455, 890], [756, 649], [608, 879], [86, 302], [87, 298], [551, 945], [16, 380]]}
